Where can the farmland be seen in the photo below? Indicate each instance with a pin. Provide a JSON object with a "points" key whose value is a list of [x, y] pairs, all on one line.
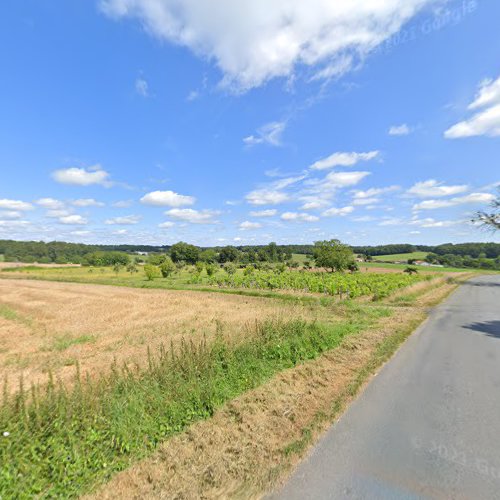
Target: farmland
{"points": [[401, 257], [98, 361]]}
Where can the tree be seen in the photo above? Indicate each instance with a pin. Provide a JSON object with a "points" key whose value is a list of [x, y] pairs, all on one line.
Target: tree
{"points": [[184, 252], [490, 220], [228, 254], [211, 269], [132, 268], [230, 268], [333, 255], [209, 256], [167, 267]]}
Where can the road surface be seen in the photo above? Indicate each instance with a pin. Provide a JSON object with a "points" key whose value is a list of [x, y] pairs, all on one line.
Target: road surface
{"points": [[428, 425]]}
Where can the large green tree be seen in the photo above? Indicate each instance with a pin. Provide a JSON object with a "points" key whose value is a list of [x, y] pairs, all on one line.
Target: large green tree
{"points": [[184, 252], [333, 255]]}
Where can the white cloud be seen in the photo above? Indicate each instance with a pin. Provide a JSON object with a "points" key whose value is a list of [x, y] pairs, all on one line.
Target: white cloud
{"points": [[167, 199], [365, 201], [10, 214], [50, 203], [299, 216], [254, 41], [430, 222], [120, 232], [481, 198], [75, 176], [193, 216], [486, 120], [338, 212], [336, 180], [373, 192], [364, 218], [343, 160], [166, 225], [142, 87], [392, 221], [399, 129], [432, 187], [15, 205], [313, 203], [269, 134], [266, 197], [264, 213], [123, 221], [87, 202], [73, 220], [250, 225]]}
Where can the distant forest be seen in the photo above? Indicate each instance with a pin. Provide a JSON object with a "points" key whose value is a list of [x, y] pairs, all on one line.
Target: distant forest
{"points": [[62, 253]]}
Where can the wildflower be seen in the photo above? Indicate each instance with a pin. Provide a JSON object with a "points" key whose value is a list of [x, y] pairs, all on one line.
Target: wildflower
{"points": [[6, 434]]}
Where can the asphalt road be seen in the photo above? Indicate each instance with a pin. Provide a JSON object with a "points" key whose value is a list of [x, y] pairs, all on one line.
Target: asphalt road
{"points": [[428, 425]]}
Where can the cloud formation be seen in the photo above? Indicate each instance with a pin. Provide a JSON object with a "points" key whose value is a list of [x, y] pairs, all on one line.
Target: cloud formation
{"points": [[480, 198], [253, 41], [299, 217], [193, 216], [167, 199], [123, 221], [15, 205], [267, 134], [343, 160], [486, 120], [431, 187], [75, 176]]}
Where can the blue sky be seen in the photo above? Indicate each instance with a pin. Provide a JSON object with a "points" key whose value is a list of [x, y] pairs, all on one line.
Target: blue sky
{"points": [[154, 121]]}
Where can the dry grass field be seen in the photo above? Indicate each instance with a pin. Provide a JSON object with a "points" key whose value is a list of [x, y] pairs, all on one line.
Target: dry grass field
{"points": [[49, 325]]}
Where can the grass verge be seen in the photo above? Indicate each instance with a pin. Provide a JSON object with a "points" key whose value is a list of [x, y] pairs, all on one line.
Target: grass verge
{"points": [[60, 441]]}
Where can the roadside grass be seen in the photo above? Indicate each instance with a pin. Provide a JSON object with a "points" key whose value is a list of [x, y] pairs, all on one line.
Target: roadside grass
{"points": [[63, 440]]}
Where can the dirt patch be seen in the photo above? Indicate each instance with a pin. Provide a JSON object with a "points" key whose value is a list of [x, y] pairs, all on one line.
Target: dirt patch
{"points": [[7, 265], [50, 325], [240, 452]]}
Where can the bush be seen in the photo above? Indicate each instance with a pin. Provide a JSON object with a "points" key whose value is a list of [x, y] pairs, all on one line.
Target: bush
{"points": [[167, 267], [230, 268], [211, 269], [199, 266], [151, 272]]}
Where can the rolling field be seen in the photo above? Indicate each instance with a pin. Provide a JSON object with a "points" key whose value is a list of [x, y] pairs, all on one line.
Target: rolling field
{"points": [[401, 257], [99, 377]]}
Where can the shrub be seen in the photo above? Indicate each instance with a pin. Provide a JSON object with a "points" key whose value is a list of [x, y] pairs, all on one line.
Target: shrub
{"points": [[167, 267], [230, 268], [151, 272], [211, 269]]}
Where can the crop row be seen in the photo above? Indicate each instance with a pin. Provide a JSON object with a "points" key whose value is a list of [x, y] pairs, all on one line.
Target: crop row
{"points": [[348, 285]]}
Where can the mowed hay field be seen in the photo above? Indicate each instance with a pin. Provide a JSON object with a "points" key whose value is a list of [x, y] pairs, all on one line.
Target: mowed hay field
{"points": [[53, 326]]}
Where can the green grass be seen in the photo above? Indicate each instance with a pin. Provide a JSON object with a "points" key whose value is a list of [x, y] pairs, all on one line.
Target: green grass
{"points": [[62, 442], [7, 313], [64, 342], [420, 268], [401, 256]]}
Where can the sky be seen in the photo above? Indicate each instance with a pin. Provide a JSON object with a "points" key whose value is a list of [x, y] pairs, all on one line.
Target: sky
{"points": [[220, 122]]}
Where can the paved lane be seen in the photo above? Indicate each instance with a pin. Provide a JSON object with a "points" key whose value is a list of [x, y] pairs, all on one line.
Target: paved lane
{"points": [[428, 426]]}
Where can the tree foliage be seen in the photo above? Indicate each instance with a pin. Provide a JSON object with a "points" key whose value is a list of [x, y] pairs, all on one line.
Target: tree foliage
{"points": [[333, 255]]}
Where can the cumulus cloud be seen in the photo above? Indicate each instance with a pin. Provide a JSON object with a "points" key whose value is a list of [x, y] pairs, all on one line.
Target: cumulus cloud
{"points": [[123, 221], [343, 160], [167, 199], [266, 197], [75, 176], [73, 220], [486, 119], [13, 223], [479, 198], [55, 214], [335, 180], [373, 192], [193, 216], [434, 188], [15, 205], [299, 216], [250, 225], [338, 212], [87, 202], [254, 41], [50, 203], [430, 222], [267, 134], [399, 129], [264, 213], [10, 215]]}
